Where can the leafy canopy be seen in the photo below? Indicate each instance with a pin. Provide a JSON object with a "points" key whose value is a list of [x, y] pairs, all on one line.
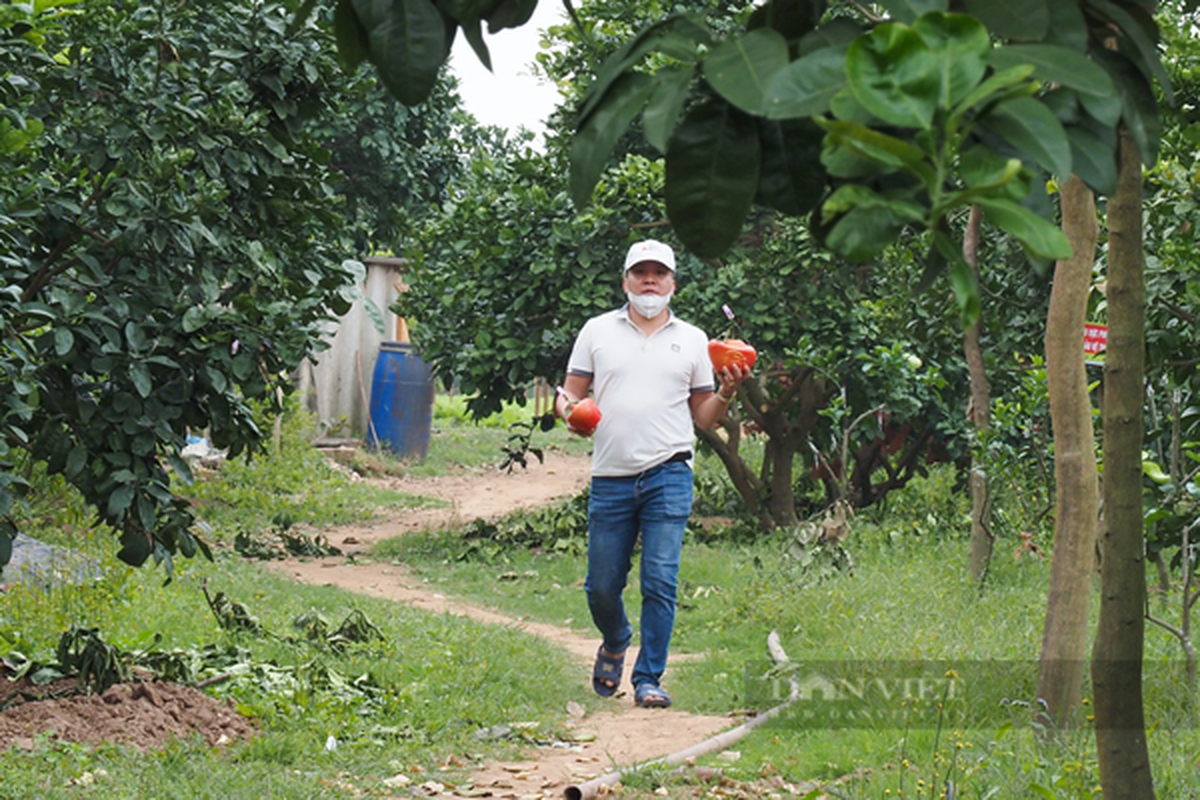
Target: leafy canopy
{"points": [[173, 239]]}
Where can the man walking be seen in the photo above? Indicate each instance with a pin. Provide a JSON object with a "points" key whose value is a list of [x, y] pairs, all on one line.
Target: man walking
{"points": [[651, 376]]}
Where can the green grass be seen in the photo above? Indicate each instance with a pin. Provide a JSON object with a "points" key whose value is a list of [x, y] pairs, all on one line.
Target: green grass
{"points": [[909, 599], [436, 680], [409, 704], [458, 443]]}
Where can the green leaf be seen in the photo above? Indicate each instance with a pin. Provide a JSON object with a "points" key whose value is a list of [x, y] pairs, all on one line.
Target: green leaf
{"points": [[595, 139], [1039, 237], [139, 374], [1094, 159], [1043, 791], [76, 461], [1067, 26], [805, 87], [473, 30], [862, 233], [136, 547], [790, 179], [1154, 472], [740, 68], [842, 159], [466, 10], [1033, 129], [1019, 20], [1105, 110], [13, 138], [671, 85], [1064, 103], [907, 11], [1054, 64], [646, 41], [7, 532], [983, 168], [712, 174], [895, 75], [1144, 36], [300, 18], [961, 46], [961, 277], [135, 336], [839, 33], [64, 340], [880, 147], [1139, 107], [792, 18], [375, 314], [119, 500], [856, 196], [407, 40], [510, 14], [867, 221], [998, 84], [194, 319], [353, 43]]}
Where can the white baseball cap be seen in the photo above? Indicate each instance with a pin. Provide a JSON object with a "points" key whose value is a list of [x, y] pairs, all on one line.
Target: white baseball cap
{"points": [[650, 250]]}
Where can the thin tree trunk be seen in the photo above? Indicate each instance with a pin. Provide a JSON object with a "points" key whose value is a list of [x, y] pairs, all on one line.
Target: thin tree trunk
{"points": [[1117, 654], [980, 553], [781, 499], [1077, 492]]}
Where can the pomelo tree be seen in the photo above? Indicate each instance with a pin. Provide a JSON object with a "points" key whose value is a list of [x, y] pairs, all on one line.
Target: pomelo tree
{"points": [[173, 238]]}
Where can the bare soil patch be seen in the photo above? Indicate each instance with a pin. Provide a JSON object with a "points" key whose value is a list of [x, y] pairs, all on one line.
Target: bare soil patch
{"points": [[142, 715]]}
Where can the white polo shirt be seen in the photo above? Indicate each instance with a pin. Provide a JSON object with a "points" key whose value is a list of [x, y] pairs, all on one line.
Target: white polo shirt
{"points": [[643, 385]]}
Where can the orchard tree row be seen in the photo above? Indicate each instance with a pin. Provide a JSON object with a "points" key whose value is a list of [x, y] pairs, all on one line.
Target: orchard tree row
{"points": [[184, 189]]}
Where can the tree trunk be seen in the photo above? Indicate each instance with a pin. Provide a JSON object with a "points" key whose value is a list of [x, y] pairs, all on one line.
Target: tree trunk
{"points": [[980, 416], [744, 480], [1077, 492], [1117, 654], [781, 499]]}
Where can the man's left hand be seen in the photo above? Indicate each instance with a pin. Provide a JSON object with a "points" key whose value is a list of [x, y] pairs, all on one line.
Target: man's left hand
{"points": [[731, 378]]}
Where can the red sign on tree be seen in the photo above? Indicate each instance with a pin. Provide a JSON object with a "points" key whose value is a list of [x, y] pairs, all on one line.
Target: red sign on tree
{"points": [[1095, 338]]}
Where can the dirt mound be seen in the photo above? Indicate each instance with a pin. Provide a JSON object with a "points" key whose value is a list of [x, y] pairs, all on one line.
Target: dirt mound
{"points": [[142, 715]]}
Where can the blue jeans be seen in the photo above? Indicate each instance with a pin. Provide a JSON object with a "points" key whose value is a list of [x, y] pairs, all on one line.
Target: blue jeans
{"points": [[657, 503]]}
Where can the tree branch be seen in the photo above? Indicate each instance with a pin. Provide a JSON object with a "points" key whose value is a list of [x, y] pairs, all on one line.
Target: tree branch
{"points": [[1168, 627], [583, 32], [48, 272]]}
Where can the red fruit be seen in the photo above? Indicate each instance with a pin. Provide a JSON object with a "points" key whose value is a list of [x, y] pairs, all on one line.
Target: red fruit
{"points": [[584, 417], [726, 353]]}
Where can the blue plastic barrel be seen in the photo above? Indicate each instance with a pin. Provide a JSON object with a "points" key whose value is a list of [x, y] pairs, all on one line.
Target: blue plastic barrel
{"points": [[401, 401]]}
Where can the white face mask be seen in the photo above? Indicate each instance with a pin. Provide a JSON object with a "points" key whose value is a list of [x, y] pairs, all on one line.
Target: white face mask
{"points": [[648, 305]]}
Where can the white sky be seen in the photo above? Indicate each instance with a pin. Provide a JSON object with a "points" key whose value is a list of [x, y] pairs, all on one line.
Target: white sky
{"points": [[509, 96]]}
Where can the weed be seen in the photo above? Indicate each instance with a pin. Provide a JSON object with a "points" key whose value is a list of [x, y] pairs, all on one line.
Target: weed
{"points": [[399, 688], [556, 529]]}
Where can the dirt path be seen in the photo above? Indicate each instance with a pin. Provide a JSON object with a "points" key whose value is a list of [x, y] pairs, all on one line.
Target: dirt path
{"points": [[147, 715], [618, 737]]}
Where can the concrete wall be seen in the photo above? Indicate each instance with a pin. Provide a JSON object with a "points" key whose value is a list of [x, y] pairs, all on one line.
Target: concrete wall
{"points": [[335, 384]]}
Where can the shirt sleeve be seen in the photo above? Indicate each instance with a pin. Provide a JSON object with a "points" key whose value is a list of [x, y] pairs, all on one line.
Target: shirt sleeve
{"points": [[702, 375], [581, 361]]}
